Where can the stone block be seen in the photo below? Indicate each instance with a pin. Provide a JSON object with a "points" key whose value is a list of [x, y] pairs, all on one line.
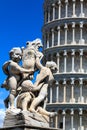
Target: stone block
{"points": [[17, 117]]}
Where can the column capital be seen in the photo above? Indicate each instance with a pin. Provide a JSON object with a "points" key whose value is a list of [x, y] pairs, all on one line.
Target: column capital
{"points": [[66, 26], [81, 52], [81, 0], [52, 29], [73, 1], [59, 2], [64, 113], [72, 81], [64, 81], [81, 81], [57, 54], [72, 112], [57, 82], [66, 1], [58, 28], [80, 111], [81, 24], [73, 24], [53, 4], [73, 52], [65, 52]]}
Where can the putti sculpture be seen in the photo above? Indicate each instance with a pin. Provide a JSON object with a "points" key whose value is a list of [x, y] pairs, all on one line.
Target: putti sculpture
{"points": [[31, 97]]}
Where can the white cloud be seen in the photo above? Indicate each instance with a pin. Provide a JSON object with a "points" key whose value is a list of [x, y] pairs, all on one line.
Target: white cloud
{"points": [[2, 115]]}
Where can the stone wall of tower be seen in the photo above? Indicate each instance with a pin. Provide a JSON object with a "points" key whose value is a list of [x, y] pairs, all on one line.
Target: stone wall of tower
{"points": [[65, 42]]}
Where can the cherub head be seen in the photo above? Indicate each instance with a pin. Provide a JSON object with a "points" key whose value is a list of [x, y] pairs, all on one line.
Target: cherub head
{"points": [[15, 54], [52, 65]]}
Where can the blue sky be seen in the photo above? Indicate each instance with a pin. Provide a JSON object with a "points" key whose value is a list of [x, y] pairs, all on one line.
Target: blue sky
{"points": [[20, 21]]}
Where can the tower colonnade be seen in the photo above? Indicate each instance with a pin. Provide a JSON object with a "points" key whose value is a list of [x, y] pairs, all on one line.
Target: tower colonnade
{"points": [[75, 57], [58, 9], [71, 33], [75, 117], [65, 42], [65, 91]]}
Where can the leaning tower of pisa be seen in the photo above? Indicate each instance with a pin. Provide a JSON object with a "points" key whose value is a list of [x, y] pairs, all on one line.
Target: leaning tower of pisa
{"points": [[65, 42]]}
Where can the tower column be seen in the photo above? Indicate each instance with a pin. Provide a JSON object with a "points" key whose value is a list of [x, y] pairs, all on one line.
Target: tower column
{"points": [[73, 33], [57, 91], [48, 14], [51, 95], [80, 114], [66, 8], [82, 14], [64, 98], [81, 34], [53, 5], [81, 84], [58, 28], [81, 56], [48, 40], [59, 3], [66, 28], [52, 37], [65, 54], [72, 90], [72, 124], [56, 121], [73, 54], [64, 119], [51, 89], [57, 56], [74, 8]]}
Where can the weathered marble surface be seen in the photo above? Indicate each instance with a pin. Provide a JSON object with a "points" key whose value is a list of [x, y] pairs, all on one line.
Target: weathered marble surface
{"points": [[18, 117]]}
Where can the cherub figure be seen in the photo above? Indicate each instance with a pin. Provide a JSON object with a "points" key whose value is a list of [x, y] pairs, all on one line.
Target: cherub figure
{"points": [[15, 74], [46, 77]]}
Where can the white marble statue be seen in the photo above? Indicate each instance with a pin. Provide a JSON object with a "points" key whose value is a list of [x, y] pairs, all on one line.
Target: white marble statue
{"points": [[19, 78]]}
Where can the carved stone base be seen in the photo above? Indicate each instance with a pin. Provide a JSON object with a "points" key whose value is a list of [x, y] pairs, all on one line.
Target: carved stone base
{"points": [[16, 117], [27, 127]]}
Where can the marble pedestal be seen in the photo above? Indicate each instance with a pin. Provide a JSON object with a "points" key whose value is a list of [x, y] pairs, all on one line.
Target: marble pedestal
{"points": [[24, 120], [27, 127]]}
